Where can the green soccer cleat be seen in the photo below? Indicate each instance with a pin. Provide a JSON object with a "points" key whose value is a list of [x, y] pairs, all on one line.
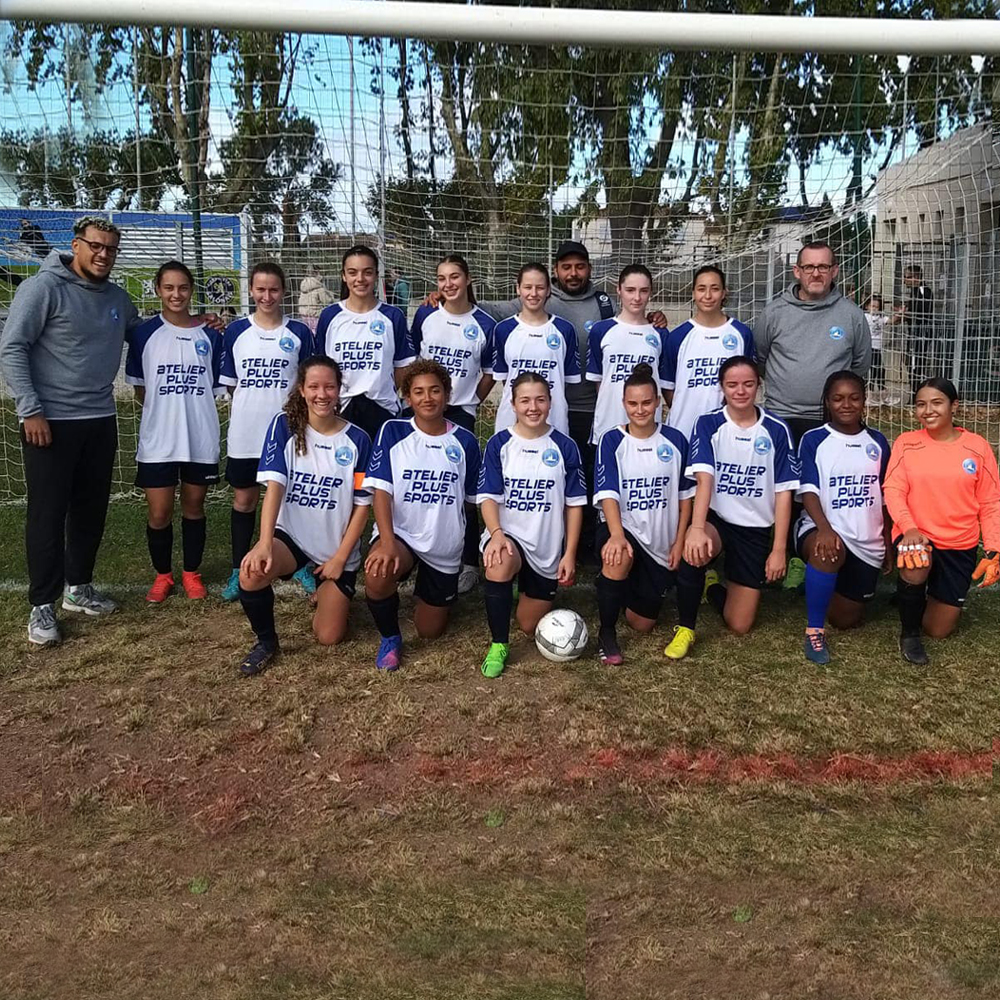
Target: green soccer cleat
{"points": [[711, 579], [496, 659], [795, 576]]}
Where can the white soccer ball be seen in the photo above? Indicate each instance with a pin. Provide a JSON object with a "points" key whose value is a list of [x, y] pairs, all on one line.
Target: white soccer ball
{"points": [[561, 636]]}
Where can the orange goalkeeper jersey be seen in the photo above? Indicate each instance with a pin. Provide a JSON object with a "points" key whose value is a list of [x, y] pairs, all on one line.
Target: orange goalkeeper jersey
{"points": [[948, 490]]}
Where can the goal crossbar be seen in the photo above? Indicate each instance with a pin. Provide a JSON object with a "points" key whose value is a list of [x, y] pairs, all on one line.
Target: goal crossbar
{"points": [[539, 25]]}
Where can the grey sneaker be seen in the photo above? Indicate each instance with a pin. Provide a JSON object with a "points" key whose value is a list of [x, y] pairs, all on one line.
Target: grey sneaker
{"points": [[43, 629], [468, 579], [87, 601]]}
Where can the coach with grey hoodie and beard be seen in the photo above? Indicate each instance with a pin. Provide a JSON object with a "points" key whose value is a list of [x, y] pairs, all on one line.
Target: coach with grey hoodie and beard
{"points": [[805, 335], [60, 351]]}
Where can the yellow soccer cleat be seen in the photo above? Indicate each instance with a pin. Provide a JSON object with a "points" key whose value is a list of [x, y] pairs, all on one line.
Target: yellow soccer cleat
{"points": [[681, 644], [711, 578]]}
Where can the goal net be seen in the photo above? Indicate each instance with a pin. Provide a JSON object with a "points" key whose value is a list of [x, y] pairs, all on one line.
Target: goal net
{"points": [[293, 147]]}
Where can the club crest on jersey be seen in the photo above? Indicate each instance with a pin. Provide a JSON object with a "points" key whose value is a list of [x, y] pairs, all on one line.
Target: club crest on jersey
{"points": [[664, 452], [453, 453], [470, 332], [729, 342], [202, 347], [554, 341], [344, 455], [762, 445], [286, 344], [970, 466], [114, 315], [873, 452], [653, 341], [550, 457], [588, 325], [377, 326], [837, 333]]}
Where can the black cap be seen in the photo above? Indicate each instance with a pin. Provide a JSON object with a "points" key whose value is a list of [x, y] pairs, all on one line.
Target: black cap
{"points": [[570, 248]]}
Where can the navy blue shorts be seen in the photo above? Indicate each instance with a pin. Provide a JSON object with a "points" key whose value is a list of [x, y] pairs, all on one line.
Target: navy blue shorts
{"points": [[951, 574], [856, 579], [744, 551], [158, 475], [346, 582], [241, 473], [433, 587], [648, 581]]}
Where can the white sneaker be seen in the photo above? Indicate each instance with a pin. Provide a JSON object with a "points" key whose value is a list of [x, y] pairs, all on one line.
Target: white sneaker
{"points": [[87, 601], [468, 579], [43, 629]]}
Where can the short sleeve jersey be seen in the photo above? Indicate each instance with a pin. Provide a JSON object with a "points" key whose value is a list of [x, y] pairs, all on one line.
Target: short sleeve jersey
{"points": [[694, 354], [749, 465], [367, 346], [614, 349], [646, 476], [463, 344], [533, 480], [261, 366], [430, 479], [549, 350], [322, 487], [179, 369], [846, 472]]}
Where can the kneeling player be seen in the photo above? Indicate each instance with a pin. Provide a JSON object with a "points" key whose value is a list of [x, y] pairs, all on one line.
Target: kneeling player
{"points": [[423, 471], [840, 534], [314, 510], [746, 470], [645, 505], [531, 493], [942, 490]]}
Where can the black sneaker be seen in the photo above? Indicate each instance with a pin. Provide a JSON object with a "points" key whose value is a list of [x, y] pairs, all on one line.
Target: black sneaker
{"points": [[258, 660], [607, 648], [913, 650]]}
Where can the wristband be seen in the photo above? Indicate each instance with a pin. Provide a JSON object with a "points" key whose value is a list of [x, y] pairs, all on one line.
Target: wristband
{"points": [[494, 531]]}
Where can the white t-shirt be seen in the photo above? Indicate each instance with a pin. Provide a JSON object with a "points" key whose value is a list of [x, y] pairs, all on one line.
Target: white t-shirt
{"points": [[846, 472], [549, 350], [876, 327], [694, 354], [430, 479], [615, 348], [179, 368], [322, 487], [367, 346], [749, 464], [261, 365], [646, 477], [463, 344], [533, 480]]}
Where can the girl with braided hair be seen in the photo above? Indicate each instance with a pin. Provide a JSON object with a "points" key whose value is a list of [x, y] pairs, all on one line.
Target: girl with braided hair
{"points": [[313, 463]]}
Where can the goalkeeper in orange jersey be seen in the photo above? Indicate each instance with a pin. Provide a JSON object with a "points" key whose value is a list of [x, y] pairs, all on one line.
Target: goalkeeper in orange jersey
{"points": [[942, 489]]}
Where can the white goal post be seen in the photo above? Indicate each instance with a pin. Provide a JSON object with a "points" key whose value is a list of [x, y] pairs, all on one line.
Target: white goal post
{"points": [[541, 25]]}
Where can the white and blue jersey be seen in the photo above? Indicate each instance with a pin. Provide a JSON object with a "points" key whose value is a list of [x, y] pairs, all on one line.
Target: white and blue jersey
{"points": [[646, 476], [322, 487], [367, 346], [614, 349], [534, 480], [463, 344], [549, 350], [260, 365], [846, 472], [430, 479], [694, 354], [749, 465], [179, 368]]}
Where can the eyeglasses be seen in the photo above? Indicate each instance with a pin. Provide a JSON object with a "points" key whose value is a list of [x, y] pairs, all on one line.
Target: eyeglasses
{"points": [[815, 268], [97, 248]]}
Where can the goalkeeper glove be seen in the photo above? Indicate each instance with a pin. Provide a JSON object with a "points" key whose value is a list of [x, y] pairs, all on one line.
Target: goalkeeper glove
{"points": [[913, 556], [988, 569]]}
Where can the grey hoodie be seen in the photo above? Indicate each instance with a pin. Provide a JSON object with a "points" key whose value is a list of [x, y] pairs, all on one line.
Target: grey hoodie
{"points": [[800, 343], [61, 346], [582, 310]]}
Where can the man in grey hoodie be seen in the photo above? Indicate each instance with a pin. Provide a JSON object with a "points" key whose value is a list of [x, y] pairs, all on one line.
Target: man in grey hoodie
{"points": [[60, 351], [804, 335]]}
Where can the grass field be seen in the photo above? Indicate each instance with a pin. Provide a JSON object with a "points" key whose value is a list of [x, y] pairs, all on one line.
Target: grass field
{"points": [[735, 826]]}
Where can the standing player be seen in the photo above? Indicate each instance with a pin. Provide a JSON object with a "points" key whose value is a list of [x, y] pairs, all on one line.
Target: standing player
{"points": [[841, 533], [532, 493], [423, 471], [174, 364], [260, 356], [645, 502], [746, 471], [943, 491], [315, 509], [618, 345], [369, 341], [534, 341], [696, 349], [459, 336]]}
